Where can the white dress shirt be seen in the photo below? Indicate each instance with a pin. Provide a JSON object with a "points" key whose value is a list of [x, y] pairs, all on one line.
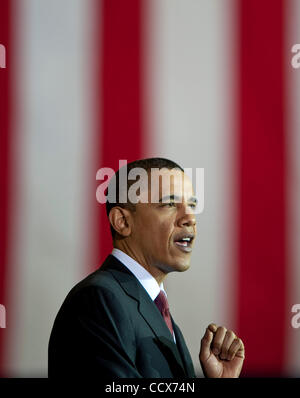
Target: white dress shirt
{"points": [[143, 276]]}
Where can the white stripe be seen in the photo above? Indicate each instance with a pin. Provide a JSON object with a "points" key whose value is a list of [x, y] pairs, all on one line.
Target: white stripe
{"points": [[52, 129], [293, 188], [191, 91]]}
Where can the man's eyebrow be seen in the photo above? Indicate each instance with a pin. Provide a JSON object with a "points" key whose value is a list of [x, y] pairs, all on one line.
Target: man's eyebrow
{"points": [[177, 199], [169, 198]]}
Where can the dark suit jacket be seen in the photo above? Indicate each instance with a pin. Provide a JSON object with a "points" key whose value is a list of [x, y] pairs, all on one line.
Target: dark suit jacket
{"points": [[108, 326]]}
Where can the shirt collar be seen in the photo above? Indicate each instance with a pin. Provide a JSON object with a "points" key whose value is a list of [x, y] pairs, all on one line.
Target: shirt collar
{"points": [[144, 277]]}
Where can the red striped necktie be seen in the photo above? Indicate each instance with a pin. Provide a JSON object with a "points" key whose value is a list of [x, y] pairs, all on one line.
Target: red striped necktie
{"points": [[163, 306]]}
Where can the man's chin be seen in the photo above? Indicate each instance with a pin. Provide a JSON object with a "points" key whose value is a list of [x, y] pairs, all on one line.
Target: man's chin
{"points": [[175, 263], [180, 266], [182, 262]]}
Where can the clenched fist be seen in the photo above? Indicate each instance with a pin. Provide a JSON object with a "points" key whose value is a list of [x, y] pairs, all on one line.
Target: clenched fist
{"points": [[222, 353]]}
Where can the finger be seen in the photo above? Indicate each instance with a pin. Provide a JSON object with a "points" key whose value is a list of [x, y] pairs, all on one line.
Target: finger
{"points": [[218, 340], [228, 340], [236, 349], [212, 327], [205, 345]]}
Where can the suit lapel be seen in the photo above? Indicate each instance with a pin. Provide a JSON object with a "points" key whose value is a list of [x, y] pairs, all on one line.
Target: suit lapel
{"points": [[184, 352], [146, 307], [153, 317]]}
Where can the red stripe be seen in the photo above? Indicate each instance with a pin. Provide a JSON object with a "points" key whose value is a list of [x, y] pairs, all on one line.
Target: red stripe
{"points": [[5, 139], [261, 136], [120, 134]]}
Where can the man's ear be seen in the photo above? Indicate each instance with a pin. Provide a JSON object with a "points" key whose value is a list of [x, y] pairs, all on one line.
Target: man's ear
{"points": [[120, 219]]}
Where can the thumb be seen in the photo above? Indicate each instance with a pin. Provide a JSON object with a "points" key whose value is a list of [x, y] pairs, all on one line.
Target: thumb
{"points": [[205, 345]]}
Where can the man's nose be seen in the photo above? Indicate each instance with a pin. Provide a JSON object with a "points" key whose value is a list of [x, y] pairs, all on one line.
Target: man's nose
{"points": [[187, 220]]}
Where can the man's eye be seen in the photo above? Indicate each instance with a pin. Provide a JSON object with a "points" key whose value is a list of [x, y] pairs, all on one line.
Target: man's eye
{"points": [[170, 204], [193, 205]]}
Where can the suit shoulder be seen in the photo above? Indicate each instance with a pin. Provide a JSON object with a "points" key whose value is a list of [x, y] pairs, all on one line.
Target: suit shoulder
{"points": [[96, 293], [104, 288], [100, 280]]}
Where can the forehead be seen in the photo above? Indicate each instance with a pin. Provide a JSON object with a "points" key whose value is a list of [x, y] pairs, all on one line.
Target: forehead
{"points": [[163, 183]]}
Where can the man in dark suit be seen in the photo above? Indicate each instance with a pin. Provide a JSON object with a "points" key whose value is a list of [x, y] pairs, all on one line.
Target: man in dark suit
{"points": [[116, 322]]}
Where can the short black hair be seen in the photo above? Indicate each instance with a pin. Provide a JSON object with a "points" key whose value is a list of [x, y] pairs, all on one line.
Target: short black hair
{"points": [[146, 164]]}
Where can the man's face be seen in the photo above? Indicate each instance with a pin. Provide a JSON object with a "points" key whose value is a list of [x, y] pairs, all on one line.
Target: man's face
{"points": [[163, 233]]}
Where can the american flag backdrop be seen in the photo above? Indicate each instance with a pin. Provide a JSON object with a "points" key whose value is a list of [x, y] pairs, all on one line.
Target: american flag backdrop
{"points": [[206, 83]]}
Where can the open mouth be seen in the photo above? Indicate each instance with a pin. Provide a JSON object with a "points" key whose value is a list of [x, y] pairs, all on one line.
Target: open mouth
{"points": [[184, 242]]}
